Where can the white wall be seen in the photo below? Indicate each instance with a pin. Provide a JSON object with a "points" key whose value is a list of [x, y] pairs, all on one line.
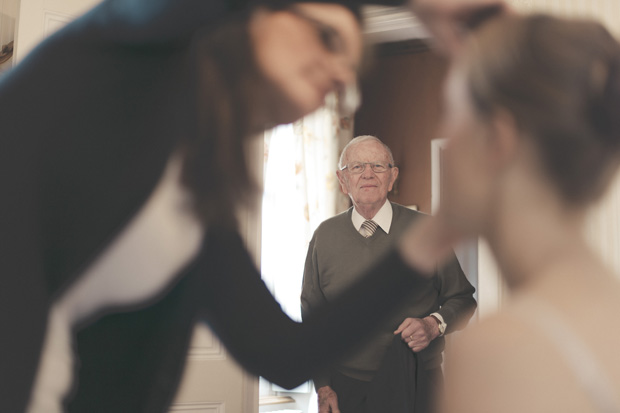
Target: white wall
{"points": [[9, 10]]}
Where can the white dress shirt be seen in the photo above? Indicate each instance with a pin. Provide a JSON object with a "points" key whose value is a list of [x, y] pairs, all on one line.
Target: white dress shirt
{"points": [[383, 218]]}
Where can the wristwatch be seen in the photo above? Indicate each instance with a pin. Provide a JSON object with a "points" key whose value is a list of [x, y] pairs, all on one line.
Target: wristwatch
{"points": [[440, 323]]}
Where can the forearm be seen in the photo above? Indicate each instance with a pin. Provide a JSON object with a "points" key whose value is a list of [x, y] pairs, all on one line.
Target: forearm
{"points": [[428, 244], [268, 343], [449, 21]]}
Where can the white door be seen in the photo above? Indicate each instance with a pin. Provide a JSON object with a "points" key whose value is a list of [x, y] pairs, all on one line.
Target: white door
{"points": [[40, 18], [213, 382]]}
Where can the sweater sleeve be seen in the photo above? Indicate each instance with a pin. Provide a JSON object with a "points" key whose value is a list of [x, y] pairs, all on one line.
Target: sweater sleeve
{"points": [[311, 294], [456, 295], [265, 341], [312, 297]]}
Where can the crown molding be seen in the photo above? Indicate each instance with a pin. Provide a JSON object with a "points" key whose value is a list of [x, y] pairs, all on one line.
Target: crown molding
{"points": [[384, 24]]}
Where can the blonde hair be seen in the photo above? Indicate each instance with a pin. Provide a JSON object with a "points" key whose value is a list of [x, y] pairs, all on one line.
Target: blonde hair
{"points": [[560, 79]]}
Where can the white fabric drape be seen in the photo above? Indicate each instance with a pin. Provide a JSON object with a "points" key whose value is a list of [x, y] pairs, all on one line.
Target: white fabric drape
{"points": [[300, 191]]}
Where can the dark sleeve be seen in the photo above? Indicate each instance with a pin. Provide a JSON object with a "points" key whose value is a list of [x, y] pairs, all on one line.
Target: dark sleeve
{"points": [[311, 293], [268, 343], [143, 22], [456, 295]]}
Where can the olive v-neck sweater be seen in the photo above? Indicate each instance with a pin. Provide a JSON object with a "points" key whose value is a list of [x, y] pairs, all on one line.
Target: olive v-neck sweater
{"points": [[339, 255]]}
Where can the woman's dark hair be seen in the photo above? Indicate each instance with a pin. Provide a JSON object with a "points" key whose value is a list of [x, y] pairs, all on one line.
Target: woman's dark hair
{"points": [[225, 86], [227, 89], [560, 79]]}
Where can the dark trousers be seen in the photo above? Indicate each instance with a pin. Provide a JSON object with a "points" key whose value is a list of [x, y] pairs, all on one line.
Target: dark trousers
{"points": [[401, 385]]}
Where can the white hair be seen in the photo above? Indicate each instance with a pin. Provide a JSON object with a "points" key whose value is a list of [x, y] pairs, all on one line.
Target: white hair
{"points": [[360, 139]]}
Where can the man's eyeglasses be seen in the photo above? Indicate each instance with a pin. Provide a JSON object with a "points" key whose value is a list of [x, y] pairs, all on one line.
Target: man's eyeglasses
{"points": [[357, 168]]}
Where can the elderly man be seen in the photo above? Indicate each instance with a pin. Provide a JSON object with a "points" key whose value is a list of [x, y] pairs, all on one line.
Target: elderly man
{"points": [[398, 369]]}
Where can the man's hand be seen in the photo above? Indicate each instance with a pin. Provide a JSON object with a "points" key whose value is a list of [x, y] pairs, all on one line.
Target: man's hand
{"points": [[450, 20], [328, 400], [418, 332]]}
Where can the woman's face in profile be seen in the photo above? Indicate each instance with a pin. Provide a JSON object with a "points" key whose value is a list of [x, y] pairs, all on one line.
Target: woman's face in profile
{"points": [[305, 52], [468, 171]]}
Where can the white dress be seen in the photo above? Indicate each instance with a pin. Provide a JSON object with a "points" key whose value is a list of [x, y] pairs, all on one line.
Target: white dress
{"points": [[583, 363]]}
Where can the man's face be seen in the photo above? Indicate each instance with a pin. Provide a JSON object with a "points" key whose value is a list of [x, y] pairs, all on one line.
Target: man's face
{"points": [[368, 189]]}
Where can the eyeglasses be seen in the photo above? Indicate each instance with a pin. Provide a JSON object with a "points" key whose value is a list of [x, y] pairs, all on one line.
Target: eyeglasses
{"points": [[329, 37], [357, 168]]}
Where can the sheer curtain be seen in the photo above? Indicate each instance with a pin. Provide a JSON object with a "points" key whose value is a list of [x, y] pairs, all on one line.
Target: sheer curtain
{"points": [[300, 191]]}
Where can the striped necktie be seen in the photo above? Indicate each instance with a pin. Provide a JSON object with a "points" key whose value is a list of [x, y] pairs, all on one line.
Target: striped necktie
{"points": [[369, 227]]}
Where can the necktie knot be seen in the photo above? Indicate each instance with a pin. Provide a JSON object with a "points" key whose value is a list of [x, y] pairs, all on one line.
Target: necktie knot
{"points": [[369, 227]]}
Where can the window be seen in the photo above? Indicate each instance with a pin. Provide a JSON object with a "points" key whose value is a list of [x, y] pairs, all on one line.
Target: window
{"points": [[300, 191]]}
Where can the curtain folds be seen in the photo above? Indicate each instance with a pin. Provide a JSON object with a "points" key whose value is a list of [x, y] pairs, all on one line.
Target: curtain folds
{"points": [[300, 191]]}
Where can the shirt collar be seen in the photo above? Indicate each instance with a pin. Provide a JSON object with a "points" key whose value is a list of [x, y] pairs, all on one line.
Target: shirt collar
{"points": [[383, 217]]}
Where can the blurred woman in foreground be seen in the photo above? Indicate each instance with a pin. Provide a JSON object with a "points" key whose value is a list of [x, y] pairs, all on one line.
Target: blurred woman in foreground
{"points": [[533, 114], [122, 159]]}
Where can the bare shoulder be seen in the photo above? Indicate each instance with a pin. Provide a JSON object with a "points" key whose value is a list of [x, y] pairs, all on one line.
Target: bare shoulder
{"points": [[503, 364]]}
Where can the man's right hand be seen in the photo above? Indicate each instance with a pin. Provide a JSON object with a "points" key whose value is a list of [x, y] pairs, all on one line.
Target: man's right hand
{"points": [[328, 400]]}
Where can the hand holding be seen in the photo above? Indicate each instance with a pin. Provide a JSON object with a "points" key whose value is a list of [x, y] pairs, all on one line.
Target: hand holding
{"points": [[328, 400], [418, 332], [450, 20]]}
